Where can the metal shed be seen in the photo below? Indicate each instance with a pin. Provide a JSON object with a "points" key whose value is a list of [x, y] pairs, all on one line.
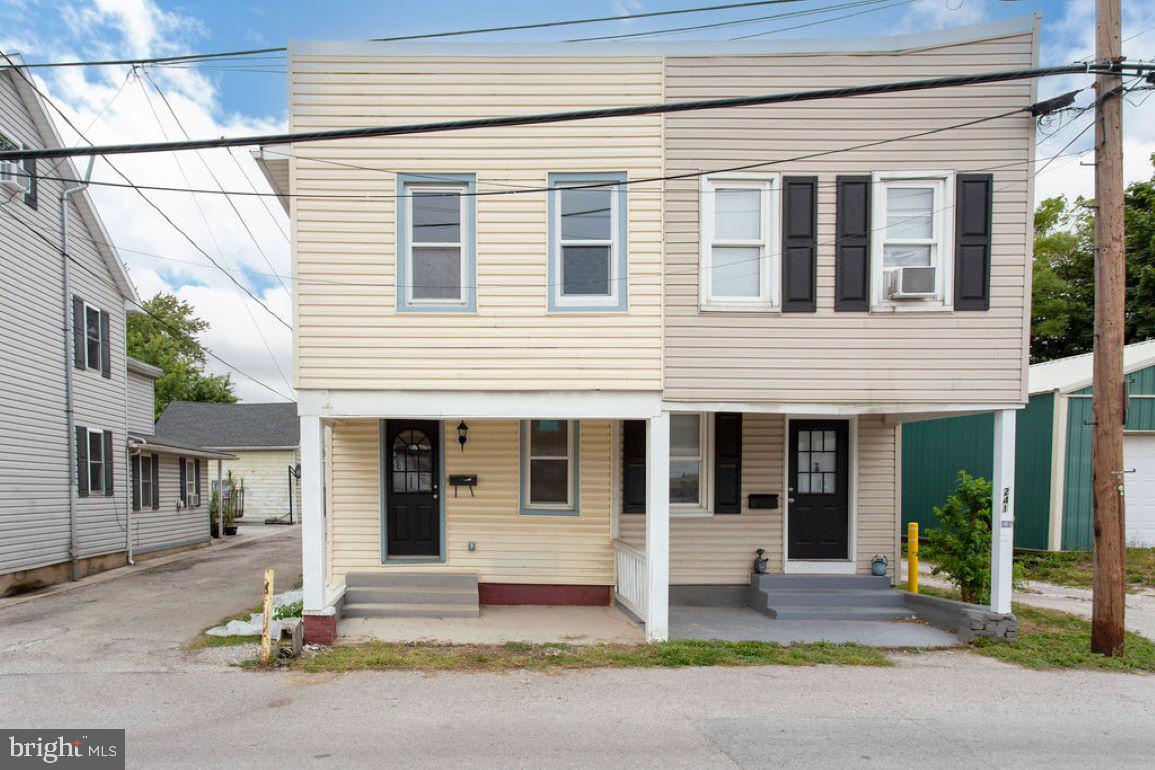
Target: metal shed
{"points": [[1052, 458]]}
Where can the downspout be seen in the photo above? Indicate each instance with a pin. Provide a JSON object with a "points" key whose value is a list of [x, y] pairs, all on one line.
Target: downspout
{"points": [[69, 336]]}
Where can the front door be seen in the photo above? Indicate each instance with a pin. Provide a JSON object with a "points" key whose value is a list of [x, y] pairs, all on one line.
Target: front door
{"points": [[819, 493], [413, 511]]}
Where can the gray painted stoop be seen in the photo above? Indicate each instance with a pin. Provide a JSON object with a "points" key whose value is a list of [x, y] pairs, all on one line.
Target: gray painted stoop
{"points": [[410, 595], [827, 597]]}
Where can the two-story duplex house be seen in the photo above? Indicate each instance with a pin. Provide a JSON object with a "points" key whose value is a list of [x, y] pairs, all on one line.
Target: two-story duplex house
{"points": [[611, 358], [78, 494]]}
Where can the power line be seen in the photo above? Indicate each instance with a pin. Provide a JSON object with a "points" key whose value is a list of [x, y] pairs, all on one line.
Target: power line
{"points": [[792, 97], [823, 21]]}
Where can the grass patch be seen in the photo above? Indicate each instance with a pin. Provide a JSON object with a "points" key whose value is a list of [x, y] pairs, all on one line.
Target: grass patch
{"points": [[543, 657], [1048, 639], [1076, 568]]}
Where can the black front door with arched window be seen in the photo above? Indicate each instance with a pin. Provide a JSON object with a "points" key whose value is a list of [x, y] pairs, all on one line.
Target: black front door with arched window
{"points": [[412, 476]]}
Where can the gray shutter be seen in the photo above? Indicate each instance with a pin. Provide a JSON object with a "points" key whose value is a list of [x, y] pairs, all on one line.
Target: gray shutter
{"points": [[183, 488], [197, 479], [799, 244], [30, 195], [728, 462], [135, 482], [972, 256], [633, 466], [109, 463], [81, 461], [78, 341], [155, 481], [105, 345], [852, 244]]}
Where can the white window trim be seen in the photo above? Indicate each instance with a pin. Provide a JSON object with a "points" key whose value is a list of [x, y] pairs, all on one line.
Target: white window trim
{"points": [[563, 301], [705, 504], [99, 336], [463, 235], [770, 259], [88, 434], [944, 243], [141, 478], [530, 505], [192, 499]]}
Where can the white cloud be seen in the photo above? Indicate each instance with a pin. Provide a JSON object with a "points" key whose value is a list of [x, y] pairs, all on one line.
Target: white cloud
{"points": [[936, 14], [119, 111]]}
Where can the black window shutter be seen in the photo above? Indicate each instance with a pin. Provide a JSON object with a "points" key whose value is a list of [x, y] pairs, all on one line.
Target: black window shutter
{"points": [[136, 482], [728, 462], [183, 487], [799, 244], [30, 193], [105, 345], [972, 256], [634, 466], [156, 481], [78, 341], [197, 479], [109, 462], [852, 244], [81, 461]]}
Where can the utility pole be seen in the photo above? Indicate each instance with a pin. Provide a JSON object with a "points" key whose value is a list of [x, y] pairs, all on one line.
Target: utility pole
{"points": [[1108, 405]]}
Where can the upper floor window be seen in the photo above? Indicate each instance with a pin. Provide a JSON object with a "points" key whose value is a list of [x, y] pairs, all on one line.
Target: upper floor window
{"points": [[912, 233], [93, 337], [436, 242], [587, 234], [739, 236], [548, 466]]}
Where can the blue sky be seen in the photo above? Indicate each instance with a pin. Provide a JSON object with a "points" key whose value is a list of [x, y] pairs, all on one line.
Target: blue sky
{"points": [[228, 99]]}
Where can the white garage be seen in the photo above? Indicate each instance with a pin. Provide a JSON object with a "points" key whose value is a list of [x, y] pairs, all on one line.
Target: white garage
{"points": [[1139, 460]]}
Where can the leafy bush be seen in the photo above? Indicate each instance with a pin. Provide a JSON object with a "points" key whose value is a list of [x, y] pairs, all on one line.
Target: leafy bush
{"points": [[960, 546], [290, 610]]}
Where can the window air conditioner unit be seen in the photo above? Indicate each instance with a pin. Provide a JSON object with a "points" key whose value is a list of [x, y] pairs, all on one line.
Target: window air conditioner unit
{"points": [[912, 282], [12, 176]]}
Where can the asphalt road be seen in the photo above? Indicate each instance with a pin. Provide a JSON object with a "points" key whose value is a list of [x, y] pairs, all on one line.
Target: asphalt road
{"points": [[106, 656]]}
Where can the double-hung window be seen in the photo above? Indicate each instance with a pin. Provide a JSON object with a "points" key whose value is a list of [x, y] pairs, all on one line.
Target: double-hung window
{"points": [[145, 488], [437, 243], [912, 233], [739, 243], [549, 470], [689, 452], [96, 461], [93, 344], [587, 261]]}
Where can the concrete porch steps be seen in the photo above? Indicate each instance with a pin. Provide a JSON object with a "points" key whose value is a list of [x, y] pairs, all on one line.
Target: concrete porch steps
{"points": [[410, 595], [827, 597]]}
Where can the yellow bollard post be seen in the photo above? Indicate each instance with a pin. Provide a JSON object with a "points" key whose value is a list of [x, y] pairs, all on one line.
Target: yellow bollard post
{"points": [[912, 557]]}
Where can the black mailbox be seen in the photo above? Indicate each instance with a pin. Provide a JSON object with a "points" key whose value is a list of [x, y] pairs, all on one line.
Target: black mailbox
{"points": [[763, 501], [463, 479]]}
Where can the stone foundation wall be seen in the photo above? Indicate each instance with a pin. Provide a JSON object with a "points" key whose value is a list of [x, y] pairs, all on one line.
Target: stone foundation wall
{"points": [[966, 621]]}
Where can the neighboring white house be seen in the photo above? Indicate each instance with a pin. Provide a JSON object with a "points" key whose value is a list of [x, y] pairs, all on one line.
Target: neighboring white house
{"points": [[68, 400], [264, 439]]}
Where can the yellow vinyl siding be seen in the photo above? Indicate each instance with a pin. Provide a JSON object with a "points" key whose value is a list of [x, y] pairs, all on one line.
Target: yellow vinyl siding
{"points": [[719, 550], [511, 548], [850, 357], [349, 333]]}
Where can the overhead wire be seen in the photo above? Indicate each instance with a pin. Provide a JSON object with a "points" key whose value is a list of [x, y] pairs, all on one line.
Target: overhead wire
{"points": [[824, 21]]}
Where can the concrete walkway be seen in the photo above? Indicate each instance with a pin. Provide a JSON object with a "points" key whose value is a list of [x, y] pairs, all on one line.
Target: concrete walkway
{"points": [[1139, 616], [497, 624], [738, 624]]}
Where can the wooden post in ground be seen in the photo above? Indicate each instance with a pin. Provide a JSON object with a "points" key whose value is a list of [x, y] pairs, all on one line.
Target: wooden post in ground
{"points": [[267, 619], [1108, 407]]}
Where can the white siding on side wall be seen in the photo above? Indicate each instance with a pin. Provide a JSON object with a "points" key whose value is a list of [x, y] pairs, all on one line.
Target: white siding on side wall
{"points": [[266, 477], [170, 526], [140, 403]]}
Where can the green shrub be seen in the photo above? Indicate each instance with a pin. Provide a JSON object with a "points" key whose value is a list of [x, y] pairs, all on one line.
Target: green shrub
{"points": [[290, 610], [960, 546]]}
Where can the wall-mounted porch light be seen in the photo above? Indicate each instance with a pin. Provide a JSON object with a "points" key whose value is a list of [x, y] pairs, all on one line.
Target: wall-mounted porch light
{"points": [[462, 434]]}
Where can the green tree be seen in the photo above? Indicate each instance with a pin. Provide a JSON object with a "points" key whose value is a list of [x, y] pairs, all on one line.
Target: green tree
{"points": [[1063, 296], [166, 336], [960, 546]]}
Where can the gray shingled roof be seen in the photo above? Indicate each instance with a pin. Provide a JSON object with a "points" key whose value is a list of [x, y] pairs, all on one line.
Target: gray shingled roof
{"points": [[230, 426]]}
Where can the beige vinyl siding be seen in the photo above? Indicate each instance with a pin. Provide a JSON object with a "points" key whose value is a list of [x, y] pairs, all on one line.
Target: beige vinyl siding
{"points": [[850, 357], [350, 335], [170, 526], [140, 403], [720, 550], [511, 548], [266, 477], [34, 447]]}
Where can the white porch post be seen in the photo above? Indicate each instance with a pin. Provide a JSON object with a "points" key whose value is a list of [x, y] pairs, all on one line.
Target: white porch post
{"points": [[312, 514], [220, 500], [658, 528], [1003, 510]]}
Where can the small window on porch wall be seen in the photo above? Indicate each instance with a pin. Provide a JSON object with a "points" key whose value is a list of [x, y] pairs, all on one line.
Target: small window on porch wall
{"points": [[587, 242], [548, 467], [689, 462], [436, 244]]}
